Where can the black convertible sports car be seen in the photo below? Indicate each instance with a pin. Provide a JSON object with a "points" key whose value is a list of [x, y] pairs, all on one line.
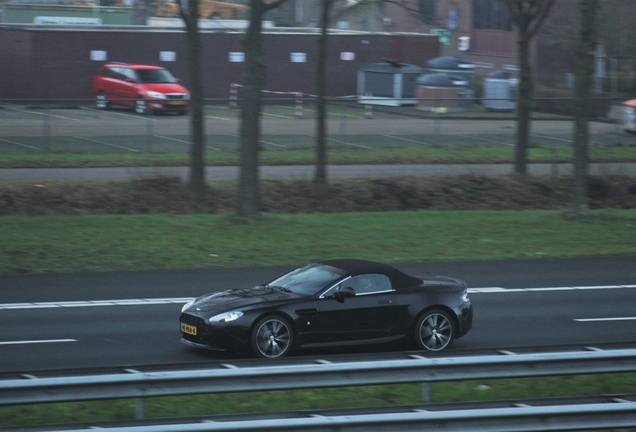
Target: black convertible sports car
{"points": [[331, 303]]}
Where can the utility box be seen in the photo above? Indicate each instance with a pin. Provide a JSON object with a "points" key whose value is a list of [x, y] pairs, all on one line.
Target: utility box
{"points": [[442, 92], [453, 65], [388, 83], [501, 90]]}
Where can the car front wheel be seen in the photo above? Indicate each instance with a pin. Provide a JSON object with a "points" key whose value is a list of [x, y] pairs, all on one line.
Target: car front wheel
{"points": [[434, 331], [272, 337], [101, 101]]}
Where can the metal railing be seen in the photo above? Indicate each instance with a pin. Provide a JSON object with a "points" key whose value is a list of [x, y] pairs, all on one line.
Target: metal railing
{"points": [[292, 377], [288, 123], [229, 378]]}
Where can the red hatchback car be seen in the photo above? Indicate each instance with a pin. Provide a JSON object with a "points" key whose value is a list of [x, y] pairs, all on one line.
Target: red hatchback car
{"points": [[147, 88]]}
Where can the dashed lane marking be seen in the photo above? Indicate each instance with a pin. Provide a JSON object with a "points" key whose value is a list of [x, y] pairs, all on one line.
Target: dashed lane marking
{"points": [[181, 300], [28, 342]]}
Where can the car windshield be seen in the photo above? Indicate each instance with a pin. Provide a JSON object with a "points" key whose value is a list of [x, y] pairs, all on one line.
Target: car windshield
{"points": [[155, 76], [309, 280]]}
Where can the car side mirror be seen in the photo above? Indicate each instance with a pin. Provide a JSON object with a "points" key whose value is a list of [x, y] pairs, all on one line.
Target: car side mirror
{"points": [[346, 292]]}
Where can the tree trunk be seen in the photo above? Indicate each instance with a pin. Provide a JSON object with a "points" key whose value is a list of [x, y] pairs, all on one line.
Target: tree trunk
{"points": [[524, 108], [253, 82], [321, 80], [528, 16], [584, 81], [197, 157]]}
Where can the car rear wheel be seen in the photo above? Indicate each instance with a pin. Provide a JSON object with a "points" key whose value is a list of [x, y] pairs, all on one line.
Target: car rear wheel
{"points": [[141, 107], [101, 101], [434, 331], [272, 337]]}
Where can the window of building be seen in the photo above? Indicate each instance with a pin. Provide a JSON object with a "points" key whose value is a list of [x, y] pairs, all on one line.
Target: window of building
{"points": [[491, 14], [428, 13]]}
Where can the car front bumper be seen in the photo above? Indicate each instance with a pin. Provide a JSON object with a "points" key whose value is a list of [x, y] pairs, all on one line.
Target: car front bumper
{"points": [[168, 105], [221, 337]]}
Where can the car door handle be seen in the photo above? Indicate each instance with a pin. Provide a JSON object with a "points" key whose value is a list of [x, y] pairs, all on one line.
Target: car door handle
{"points": [[306, 312], [384, 301]]}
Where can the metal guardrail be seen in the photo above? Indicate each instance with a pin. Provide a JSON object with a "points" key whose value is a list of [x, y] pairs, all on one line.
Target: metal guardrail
{"points": [[232, 379]]}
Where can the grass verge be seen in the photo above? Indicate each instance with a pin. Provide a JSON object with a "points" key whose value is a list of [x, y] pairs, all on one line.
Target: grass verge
{"points": [[112, 242], [406, 155], [322, 399], [138, 242]]}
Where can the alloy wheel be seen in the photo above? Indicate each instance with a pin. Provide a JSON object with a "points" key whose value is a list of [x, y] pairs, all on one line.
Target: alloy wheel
{"points": [[272, 338], [435, 331]]}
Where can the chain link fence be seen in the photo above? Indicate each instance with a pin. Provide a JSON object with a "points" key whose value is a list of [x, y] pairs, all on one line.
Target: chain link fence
{"points": [[289, 123]]}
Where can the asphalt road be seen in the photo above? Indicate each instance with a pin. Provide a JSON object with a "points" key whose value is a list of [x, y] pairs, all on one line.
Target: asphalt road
{"points": [[87, 320]]}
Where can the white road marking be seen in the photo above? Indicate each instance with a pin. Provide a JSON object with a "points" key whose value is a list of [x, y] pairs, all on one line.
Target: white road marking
{"points": [[73, 304], [20, 144], [174, 139], [486, 140], [45, 113], [105, 143], [552, 138], [407, 139], [27, 342], [605, 319], [181, 300], [273, 144], [496, 290], [348, 143], [278, 115]]}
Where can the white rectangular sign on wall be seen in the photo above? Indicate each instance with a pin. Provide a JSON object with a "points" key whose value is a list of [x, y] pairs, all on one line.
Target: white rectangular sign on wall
{"points": [[97, 55], [167, 56], [347, 56], [237, 57], [298, 57]]}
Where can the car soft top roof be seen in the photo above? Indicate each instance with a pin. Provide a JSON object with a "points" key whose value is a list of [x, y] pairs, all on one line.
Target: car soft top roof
{"points": [[354, 267]]}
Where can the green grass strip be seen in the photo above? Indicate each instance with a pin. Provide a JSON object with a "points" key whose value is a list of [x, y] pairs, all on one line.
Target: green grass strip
{"points": [[331, 398], [396, 155], [137, 242]]}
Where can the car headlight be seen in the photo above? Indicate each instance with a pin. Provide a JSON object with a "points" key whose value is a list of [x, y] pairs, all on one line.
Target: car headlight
{"points": [[156, 95], [187, 305], [226, 317], [465, 298]]}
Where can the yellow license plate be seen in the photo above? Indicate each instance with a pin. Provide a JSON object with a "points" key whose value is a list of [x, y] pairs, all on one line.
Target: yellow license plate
{"points": [[177, 103], [188, 329]]}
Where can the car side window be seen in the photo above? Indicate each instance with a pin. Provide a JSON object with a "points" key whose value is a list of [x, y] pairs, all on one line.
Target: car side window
{"points": [[111, 73], [369, 283], [116, 73], [128, 73]]}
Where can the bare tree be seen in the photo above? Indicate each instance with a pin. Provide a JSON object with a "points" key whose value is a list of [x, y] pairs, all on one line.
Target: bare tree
{"points": [[190, 15], [320, 176], [584, 81], [528, 16], [321, 89], [253, 84]]}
